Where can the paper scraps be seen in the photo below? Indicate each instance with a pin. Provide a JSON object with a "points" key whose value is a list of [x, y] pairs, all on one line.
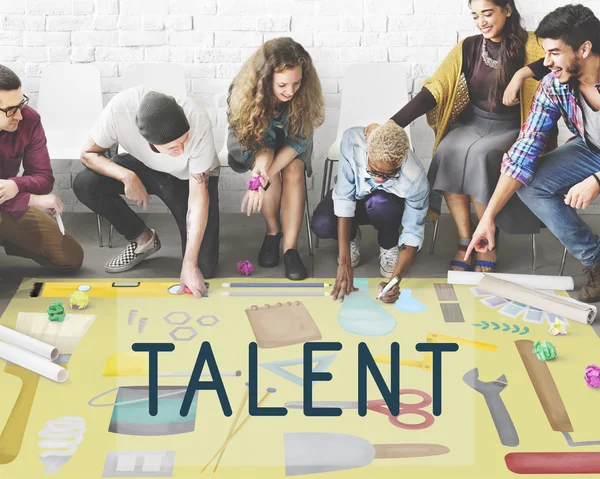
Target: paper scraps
{"points": [[558, 328], [78, 300], [56, 312], [592, 376], [544, 350]]}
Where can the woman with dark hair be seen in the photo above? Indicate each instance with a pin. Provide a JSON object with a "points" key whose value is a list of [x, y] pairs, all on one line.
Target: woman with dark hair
{"points": [[464, 103], [274, 105]]}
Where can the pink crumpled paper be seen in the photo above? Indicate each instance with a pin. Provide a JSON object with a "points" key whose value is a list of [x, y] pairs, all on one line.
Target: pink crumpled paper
{"points": [[592, 376], [245, 268]]}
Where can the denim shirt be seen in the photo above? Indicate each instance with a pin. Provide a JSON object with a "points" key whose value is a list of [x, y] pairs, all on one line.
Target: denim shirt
{"points": [[354, 183], [298, 144]]}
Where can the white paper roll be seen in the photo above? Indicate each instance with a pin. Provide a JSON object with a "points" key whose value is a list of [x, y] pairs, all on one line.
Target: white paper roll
{"points": [[30, 344], [566, 307], [471, 278], [33, 362]]}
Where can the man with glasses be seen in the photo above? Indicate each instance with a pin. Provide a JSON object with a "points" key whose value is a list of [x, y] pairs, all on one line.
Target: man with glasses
{"points": [[26, 228], [382, 183], [170, 153]]}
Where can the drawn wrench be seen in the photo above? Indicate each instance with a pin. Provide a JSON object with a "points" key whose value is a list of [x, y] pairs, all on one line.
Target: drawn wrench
{"points": [[491, 392]]}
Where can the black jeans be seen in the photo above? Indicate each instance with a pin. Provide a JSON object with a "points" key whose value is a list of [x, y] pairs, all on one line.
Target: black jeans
{"points": [[102, 195]]}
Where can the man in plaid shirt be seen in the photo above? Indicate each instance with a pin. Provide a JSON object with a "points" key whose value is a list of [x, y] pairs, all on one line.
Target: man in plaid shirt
{"points": [[558, 183]]}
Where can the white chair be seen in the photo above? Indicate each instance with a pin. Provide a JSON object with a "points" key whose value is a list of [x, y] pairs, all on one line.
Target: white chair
{"points": [[167, 78], [70, 102], [364, 101], [223, 154]]}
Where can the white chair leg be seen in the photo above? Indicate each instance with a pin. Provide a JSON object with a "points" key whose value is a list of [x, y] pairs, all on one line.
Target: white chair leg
{"points": [[563, 262], [434, 236], [307, 215], [99, 231], [110, 236], [534, 251]]}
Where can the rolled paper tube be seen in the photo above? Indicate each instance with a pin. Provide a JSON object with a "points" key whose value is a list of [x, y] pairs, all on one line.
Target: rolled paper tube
{"points": [[592, 376], [566, 307], [471, 278], [30, 344], [33, 362]]}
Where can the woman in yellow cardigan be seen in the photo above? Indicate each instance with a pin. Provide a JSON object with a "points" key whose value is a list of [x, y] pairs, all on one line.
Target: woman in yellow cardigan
{"points": [[463, 101]]}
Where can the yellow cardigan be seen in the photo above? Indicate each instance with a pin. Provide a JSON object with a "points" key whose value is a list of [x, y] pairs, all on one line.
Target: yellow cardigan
{"points": [[449, 88]]}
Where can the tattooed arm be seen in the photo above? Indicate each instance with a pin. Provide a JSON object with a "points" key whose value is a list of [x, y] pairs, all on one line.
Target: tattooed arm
{"points": [[93, 157], [196, 220]]}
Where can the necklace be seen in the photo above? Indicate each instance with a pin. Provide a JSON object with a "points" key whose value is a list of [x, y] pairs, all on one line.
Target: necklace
{"points": [[486, 57]]}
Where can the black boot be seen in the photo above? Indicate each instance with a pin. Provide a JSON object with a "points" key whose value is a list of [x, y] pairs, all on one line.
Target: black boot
{"points": [[294, 267], [268, 256]]}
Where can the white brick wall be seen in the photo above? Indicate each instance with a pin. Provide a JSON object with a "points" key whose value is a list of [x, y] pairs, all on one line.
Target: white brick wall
{"points": [[211, 38]]}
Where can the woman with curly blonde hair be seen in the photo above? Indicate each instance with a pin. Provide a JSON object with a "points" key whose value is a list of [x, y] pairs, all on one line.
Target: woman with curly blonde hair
{"points": [[274, 105]]}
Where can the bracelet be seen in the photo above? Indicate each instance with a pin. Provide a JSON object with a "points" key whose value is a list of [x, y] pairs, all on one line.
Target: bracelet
{"points": [[596, 178]]}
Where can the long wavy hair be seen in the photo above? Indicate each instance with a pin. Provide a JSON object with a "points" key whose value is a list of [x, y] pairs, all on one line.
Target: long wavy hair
{"points": [[512, 52], [252, 104]]}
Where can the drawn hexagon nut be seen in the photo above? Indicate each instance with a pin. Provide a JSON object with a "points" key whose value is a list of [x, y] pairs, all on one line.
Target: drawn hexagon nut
{"points": [[177, 317], [183, 333], [207, 320]]}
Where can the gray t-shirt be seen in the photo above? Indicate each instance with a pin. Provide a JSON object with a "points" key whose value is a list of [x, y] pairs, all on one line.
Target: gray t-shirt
{"points": [[591, 122]]}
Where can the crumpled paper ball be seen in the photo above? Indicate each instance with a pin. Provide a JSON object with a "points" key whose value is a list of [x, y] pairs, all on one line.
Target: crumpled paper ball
{"points": [[78, 300], [558, 328], [592, 376], [56, 312], [245, 267], [254, 184], [544, 350]]}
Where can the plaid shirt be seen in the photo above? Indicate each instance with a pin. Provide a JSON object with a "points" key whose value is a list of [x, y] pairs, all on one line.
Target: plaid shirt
{"points": [[551, 101]]}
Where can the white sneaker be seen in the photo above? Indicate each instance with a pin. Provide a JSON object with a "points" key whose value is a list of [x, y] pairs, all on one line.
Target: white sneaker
{"points": [[387, 261], [354, 249]]}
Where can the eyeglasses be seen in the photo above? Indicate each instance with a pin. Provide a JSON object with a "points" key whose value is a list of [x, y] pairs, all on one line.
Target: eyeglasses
{"points": [[385, 176], [12, 111]]}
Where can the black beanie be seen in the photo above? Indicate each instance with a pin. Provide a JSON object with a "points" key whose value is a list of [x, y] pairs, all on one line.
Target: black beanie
{"points": [[160, 119]]}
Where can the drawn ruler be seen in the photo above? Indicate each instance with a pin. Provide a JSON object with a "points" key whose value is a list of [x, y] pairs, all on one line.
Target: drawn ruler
{"points": [[545, 387], [108, 289]]}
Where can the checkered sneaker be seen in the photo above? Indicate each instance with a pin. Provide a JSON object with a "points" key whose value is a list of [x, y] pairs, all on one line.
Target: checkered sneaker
{"points": [[132, 255]]}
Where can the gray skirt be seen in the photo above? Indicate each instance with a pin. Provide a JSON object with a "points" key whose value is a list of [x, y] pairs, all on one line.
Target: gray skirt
{"points": [[235, 154], [468, 161]]}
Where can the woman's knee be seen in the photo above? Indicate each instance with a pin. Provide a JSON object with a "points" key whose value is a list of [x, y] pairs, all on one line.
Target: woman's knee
{"points": [[294, 171]]}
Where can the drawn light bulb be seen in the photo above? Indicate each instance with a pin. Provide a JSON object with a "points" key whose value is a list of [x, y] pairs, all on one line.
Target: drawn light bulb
{"points": [[61, 438]]}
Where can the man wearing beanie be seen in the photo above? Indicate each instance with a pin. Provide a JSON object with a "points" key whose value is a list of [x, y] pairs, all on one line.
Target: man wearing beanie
{"points": [[170, 153]]}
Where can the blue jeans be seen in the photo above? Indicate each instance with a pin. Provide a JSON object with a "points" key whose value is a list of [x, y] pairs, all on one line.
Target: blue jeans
{"points": [[556, 173]]}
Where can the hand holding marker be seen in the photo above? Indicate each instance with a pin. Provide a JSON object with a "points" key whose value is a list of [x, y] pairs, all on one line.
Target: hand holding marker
{"points": [[389, 286]]}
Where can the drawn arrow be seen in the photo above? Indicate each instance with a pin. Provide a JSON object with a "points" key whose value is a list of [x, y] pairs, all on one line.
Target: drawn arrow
{"points": [[506, 327], [525, 331], [496, 326], [516, 329]]}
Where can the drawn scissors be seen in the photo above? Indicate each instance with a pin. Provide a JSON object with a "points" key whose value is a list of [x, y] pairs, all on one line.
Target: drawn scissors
{"points": [[380, 406]]}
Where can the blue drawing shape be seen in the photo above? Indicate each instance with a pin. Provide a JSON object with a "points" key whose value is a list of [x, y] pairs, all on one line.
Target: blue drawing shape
{"points": [[407, 304], [323, 364], [360, 314]]}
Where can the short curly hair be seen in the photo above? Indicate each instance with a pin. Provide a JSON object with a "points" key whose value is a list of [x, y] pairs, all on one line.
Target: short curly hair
{"points": [[388, 144]]}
